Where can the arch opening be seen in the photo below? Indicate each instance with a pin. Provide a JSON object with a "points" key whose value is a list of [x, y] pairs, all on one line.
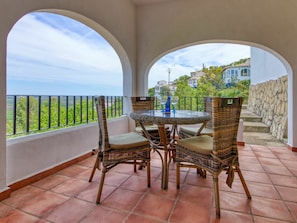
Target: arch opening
{"points": [[64, 53], [269, 74]]}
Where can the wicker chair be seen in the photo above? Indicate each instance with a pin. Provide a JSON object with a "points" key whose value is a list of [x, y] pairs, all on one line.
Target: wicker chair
{"points": [[205, 129], [128, 148], [218, 153], [145, 103]]}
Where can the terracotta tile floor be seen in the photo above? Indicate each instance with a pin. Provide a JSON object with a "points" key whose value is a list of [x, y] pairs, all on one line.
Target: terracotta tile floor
{"points": [[67, 196]]}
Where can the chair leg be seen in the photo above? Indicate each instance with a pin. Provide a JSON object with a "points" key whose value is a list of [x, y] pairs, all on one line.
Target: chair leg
{"points": [[247, 192], [135, 166], [96, 166], [101, 185], [216, 195], [201, 172], [148, 166], [177, 175]]}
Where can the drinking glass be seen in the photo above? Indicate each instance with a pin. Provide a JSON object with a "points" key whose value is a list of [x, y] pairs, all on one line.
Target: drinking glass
{"points": [[174, 100], [163, 100]]}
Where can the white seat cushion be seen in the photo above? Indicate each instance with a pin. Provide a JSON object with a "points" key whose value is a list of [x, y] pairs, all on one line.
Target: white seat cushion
{"points": [[200, 144], [127, 140]]}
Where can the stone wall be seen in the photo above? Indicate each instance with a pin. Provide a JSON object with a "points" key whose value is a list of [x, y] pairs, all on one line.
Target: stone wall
{"points": [[270, 101]]}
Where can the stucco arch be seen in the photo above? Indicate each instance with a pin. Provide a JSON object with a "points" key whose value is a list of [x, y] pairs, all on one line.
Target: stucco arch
{"points": [[123, 45], [282, 59]]}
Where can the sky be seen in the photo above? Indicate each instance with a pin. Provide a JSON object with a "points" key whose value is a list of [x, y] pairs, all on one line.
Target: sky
{"points": [[49, 54]]}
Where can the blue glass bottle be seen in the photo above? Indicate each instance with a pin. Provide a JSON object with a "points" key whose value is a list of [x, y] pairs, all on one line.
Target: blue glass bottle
{"points": [[167, 105]]}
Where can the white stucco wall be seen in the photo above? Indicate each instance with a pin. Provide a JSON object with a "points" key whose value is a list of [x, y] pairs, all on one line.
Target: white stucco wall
{"points": [[30, 155], [265, 66]]}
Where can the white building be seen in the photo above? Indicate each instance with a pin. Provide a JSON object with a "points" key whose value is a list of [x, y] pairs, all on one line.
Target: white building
{"points": [[195, 77], [159, 86], [240, 72]]}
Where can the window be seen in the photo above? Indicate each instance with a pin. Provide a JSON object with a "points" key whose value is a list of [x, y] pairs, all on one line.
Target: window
{"points": [[244, 72]]}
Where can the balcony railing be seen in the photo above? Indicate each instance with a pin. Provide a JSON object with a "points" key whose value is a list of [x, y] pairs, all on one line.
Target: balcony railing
{"points": [[29, 114]]}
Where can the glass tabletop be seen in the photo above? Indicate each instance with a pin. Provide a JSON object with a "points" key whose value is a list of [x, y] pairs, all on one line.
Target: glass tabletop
{"points": [[177, 117]]}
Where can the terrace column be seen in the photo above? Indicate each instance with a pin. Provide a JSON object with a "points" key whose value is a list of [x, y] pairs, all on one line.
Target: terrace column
{"points": [[4, 192], [292, 109]]}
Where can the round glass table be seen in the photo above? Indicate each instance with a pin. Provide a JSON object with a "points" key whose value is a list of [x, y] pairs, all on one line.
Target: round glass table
{"points": [[165, 143]]}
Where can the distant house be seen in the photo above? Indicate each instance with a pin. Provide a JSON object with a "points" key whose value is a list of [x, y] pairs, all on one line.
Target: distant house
{"points": [[239, 72], [195, 76], [159, 86]]}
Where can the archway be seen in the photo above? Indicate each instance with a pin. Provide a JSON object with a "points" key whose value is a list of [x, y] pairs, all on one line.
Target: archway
{"points": [[268, 65], [68, 55]]}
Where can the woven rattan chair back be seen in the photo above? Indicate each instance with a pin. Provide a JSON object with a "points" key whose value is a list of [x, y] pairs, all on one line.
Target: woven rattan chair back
{"points": [[207, 102], [142, 103], [225, 117], [205, 129], [103, 143]]}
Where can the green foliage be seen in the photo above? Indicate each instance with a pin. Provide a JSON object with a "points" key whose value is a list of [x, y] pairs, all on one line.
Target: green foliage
{"points": [[151, 92], [211, 84]]}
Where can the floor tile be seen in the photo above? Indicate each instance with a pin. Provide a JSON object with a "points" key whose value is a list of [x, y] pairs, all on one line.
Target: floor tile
{"points": [[73, 170], [263, 155], [103, 214], [248, 159], [196, 180], [289, 181], [136, 183], [251, 166], [139, 218], [259, 148], [71, 211], [198, 195], [277, 170], [43, 203], [155, 207], [270, 209], [22, 195], [123, 199], [235, 202], [267, 220], [17, 216], [230, 216], [4, 209], [50, 181], [293, 171], [293, 208], [236, 186], [263, 190], [71, 187], [289, 163], [89, 162], [256, 177], [170, 193], [190, 212], [288, 193], [270, 161], [115, 178], [90, 192]]}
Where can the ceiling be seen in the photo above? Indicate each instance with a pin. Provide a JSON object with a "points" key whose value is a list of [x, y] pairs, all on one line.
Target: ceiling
{"points": [[146, 2]]}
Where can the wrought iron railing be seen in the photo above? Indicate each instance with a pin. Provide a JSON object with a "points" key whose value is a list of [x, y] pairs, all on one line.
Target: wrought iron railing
{"points": [[29, 114]]}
